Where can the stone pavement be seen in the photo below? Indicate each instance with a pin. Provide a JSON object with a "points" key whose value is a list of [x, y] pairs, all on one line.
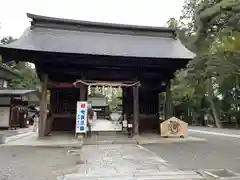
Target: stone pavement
{"points": [[124, 162], [13, 132], [105, 125], [61, 139], [35, 163], [107, 133], [57, 139], [121, 138], [12, 135]]}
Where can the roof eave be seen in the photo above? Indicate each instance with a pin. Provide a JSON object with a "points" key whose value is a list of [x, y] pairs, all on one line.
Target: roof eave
{"points": [[20, 94]]}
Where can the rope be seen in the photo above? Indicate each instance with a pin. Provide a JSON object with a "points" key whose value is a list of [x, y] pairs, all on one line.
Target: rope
{"points": [[104, 84]]}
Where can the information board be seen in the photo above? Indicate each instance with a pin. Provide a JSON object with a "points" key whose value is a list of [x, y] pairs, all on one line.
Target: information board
{"points": [[81, 117]]}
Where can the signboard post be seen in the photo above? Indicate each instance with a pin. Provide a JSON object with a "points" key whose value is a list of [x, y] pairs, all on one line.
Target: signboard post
{"points": [[81, 117]]}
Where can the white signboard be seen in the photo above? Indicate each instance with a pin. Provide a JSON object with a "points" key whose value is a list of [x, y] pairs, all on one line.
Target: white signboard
{"points": [[81, 117]]}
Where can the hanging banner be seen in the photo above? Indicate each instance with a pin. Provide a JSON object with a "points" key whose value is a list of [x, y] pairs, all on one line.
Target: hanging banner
{"points": [[81, 117]]}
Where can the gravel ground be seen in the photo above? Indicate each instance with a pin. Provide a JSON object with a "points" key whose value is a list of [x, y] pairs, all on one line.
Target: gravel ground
{"points": [[29, 163]]}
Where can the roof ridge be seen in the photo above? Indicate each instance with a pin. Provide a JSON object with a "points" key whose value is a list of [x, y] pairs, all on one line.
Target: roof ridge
{"points": [[35, 18]]}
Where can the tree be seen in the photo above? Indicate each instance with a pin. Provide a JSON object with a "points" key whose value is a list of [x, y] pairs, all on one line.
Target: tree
{"points": [[27, 77], [173, 23], [188, 17], [7, 40], [217, 24], [211, 30]]}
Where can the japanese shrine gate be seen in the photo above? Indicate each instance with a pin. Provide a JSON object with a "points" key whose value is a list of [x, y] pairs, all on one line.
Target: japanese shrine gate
{"points": [[65, 51]]}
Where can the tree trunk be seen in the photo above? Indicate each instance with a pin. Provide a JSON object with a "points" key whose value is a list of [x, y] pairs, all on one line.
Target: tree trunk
{"points": [[169, 104], [194, 118], [212, 105], [237, 105]]}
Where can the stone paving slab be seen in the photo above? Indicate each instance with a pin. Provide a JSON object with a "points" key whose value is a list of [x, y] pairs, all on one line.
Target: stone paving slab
{"points": [[160, 176], [142, 139], [109, 139], [12, 135], [157, 139], [69, 140], [105, 125], [124, 162], [56, 140]]}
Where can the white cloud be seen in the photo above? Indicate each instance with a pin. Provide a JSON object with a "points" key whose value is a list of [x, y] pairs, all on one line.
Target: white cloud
{"points": [[141, 12]]}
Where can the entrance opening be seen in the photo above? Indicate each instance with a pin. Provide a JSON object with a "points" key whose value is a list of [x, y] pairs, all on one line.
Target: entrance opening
{"points": [[110, 104], [105, 106], [63, 108]]}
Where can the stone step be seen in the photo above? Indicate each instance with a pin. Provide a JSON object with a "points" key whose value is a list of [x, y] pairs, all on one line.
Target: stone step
{"points": [[102, 133], [178, 175]]}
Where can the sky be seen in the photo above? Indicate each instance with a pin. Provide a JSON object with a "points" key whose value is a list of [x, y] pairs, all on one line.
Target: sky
{"points": [[13, 19]]}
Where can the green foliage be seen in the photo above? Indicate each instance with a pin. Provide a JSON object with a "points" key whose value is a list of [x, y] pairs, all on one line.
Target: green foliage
{"points": [[172, 23], [7, 40], [212, 30], [116, 104], [116, 101], [26, 76]]}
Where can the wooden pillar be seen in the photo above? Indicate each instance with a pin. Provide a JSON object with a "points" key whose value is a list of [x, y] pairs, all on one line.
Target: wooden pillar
{"points": [[128, 104], [83, 92], [136, 110], [123, 102], [169, 104], [43, 107]]}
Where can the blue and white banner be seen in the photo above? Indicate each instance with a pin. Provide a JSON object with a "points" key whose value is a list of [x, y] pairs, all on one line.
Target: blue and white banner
{"points": [[81, 117]]}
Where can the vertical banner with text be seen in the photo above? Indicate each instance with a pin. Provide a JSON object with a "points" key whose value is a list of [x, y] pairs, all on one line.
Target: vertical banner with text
{"points": [[81, 117]]}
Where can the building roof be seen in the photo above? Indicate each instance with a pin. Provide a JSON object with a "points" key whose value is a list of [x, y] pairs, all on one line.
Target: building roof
{"points": [[48, 34], [38, 19], [15, 93]]}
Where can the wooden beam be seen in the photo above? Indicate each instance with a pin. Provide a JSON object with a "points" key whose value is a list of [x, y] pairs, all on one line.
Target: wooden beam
{"points": [[83, 60], [107, 72], [43, 106], [136, 110], [60, 85]]}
